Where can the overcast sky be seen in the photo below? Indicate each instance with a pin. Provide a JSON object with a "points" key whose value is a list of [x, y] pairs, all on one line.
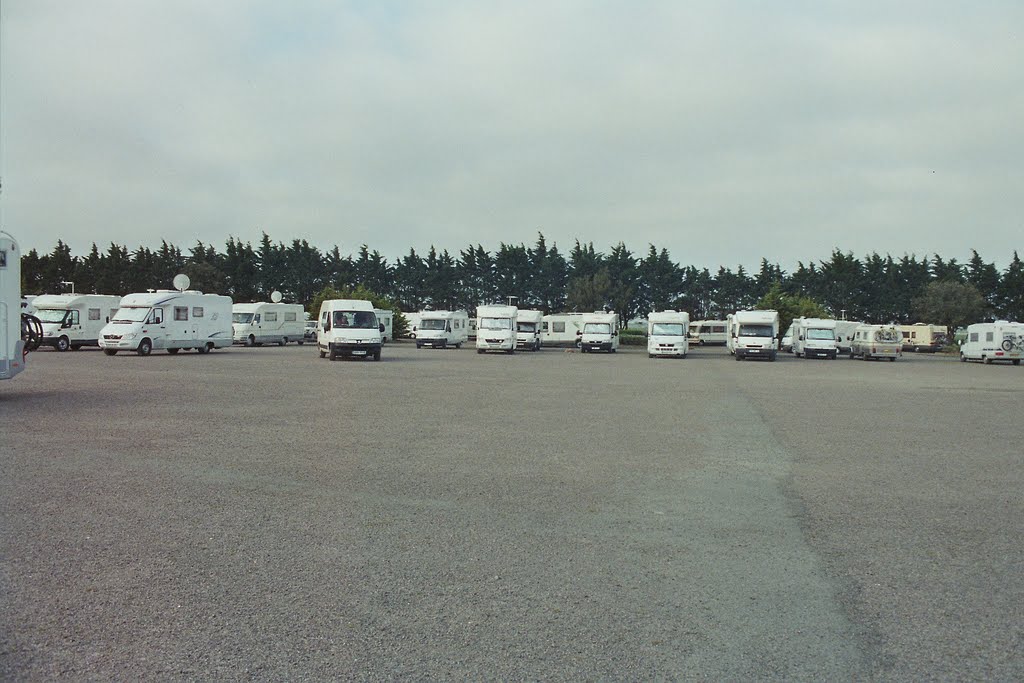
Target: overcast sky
{"points": [[722, 131]]}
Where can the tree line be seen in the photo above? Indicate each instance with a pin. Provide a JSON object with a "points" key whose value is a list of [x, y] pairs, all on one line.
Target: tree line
{"points": [[874, 288]]}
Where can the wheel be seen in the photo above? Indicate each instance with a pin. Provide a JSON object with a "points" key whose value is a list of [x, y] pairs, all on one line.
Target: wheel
{"points": [[333, 355], [250, 341], [510, 351], [173, 351], [210, 347], [700, 343], [419, 346], [283, 341], [458, 345], [1007, 345], [739, 357], [892, 359], [300, 343], [479, 350], [650, 355], [986, 361], [851, 355], [201, 349], [1016, 361], [145, 346], [323, 354], [583, 349], [62, 344], [110, 352], [612, 350], [963, 358], [376, 355], [771, 358]]}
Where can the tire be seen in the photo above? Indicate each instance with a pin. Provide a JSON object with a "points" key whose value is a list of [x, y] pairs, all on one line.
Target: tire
{"points": [[62, 344], [479, 350], [332, 355], [323, 354], [173, 351], [1007, 345], [250, 340], [284, 340], [851, 354], [459, 345], [110, 352], [376, 356], [771, 357], [145, 347], [986, 361], [1016, 361], [963, 358], [210, 347], [201, 349], [739, 357], [892, 359], [510, 351]]}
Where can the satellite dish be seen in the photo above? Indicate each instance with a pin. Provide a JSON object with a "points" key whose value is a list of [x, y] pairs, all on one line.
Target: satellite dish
{"points": [[181, 282], [276, 296]]}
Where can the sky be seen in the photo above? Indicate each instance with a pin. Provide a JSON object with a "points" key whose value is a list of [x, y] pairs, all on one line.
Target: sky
{"points": [[722, 131]]}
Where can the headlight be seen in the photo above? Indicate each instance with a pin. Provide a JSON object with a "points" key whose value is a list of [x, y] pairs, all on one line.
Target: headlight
{"points": [[130, 335]]}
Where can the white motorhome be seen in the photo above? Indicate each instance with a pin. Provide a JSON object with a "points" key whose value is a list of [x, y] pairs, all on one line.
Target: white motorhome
{"points": [[923, 337], [876, 341], [528, 329], [754, 334], [704, 332], [600, 332], [12, 347], [441, 329], [496, 328], [71, 321], [561, 329], [385, 316], [348, 328], [814, 338], [991, 342], [267, 323], [667, 333], [412, 323], [845, 330], [168, 319], [786, 345]]}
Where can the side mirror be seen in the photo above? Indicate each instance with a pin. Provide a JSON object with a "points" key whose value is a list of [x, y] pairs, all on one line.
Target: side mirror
{"points": [[381, 327], [615, 334], [800, 338], [327, 326]]}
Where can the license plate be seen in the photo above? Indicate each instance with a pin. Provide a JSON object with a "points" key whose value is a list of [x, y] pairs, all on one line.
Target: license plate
{"points": [[359, 353]]}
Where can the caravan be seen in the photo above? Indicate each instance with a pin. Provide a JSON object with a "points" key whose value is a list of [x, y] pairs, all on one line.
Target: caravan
{"points": [[441, 329], [754, 334], [704, 332], [71, 321], [923, 337], [496, 328], [876, 341], [561, 329], [528, 329], [348, 328], [667, 334], [168, 319], [385, 317], [267, 323], [990, 342], [814, 337], [600, 332]]}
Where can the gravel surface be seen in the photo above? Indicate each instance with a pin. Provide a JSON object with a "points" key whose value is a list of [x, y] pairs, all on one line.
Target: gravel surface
{"points": [[265, 514]]}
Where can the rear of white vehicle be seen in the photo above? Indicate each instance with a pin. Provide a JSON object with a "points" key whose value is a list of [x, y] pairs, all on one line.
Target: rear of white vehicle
{"points": [[876, 342], [667, 334], [528, 329], [1000, 341], [496, 328], [348, 328], [814, 338], [755, 334], [600, 332]]}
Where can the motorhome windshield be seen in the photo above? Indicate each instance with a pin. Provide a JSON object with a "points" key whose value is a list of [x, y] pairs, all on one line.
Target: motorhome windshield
{"points": [[526, 327], [357, 320], [495, 324], [51, 315], [667, 329], [820, 334], [756, 331], [130, 315], [597, 328], [241, 318], [432, 324]]}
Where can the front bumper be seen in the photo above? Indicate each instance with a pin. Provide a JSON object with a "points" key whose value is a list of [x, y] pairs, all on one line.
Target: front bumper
{"points": [[348, 350], [596, 346]]}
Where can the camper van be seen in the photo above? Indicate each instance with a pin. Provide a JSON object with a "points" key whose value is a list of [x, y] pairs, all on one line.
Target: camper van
{"points": [[71, 321], [921, 337], [704, 332], [528, 329], [600, 332], [990, 342], [876, 341], [385, 317], [267, 323], [814, 338], [496, 328], [845, 330], [168, 319], [348, 328], [754, 334], [441, 329], [12, 347], [561, 329], [667, 333]]}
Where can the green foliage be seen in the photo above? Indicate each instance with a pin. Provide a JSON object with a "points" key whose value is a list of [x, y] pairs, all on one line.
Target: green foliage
{"points": [[790, 306], [950, 303], [632, 337]]}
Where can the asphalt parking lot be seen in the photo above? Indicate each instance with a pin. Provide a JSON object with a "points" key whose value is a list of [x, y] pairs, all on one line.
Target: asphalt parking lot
{"points": [[260, 513]]}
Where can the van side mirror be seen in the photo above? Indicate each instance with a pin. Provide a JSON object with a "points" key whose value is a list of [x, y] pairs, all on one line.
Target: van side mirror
{"points": [[327, 325], [800, 338], [381, 327]]}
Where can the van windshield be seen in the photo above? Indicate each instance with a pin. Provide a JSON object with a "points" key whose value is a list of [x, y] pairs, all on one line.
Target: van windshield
{"points": [[51, 315], [241, 318], [526, 327], [130, 315], [667, 329], [495, 323], [756, 331], [597, 328], [820, 334], [358, 320], [432, 324]]}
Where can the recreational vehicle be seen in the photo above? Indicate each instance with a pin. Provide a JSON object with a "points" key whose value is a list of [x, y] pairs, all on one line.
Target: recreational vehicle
{"points": [[704, 332], [814, 338], [845, 330], [528, 329], [168, 319], [786, 345], [876, 341], [990, 342], [754, 334], [923, 337], [600, 332], [71, 321], [348, 328], [561, 329], [412, 323], [441, 329], [12, 346], [496, 328], [667, 334], [267, 323], [385, 316]]}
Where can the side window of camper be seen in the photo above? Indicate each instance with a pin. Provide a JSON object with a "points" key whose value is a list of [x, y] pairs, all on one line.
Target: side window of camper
{"points": [[558, 327], [990, 336], [271, 317], [94, 314], [181, 312], [718, 329], [974, 336], [197, 311], [289, 317]]}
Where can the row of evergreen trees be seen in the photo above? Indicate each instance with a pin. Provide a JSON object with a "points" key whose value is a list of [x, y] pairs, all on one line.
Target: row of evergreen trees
{"points": [[875, 288]]}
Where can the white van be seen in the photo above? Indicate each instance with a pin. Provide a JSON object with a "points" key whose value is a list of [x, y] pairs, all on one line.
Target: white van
{"points": [[600, 332], [168, 319], [348, 328], [12, 347], [71, 321], [845, 329], [754, 334], [923, 337], [876, 341], [990, 342], [496, 328], [814, 338], [385, 316], [667, 334], [267, 323], [528, 329], [704, 332], [561, 329], [441, 329]]}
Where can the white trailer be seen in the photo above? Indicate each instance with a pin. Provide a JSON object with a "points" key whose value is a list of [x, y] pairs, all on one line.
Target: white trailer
{"points": [[876, 341], [755, 334], [348, 328], [561, 329], [923, 337], [71, 321], [385, 317], [441, 329], [170, 320], [496, 328], [12, 346], [814, 338], [845, 330], [528, 329], [705, 332], [991, 342], [267, 323], [600, 332], [667, 333]]}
